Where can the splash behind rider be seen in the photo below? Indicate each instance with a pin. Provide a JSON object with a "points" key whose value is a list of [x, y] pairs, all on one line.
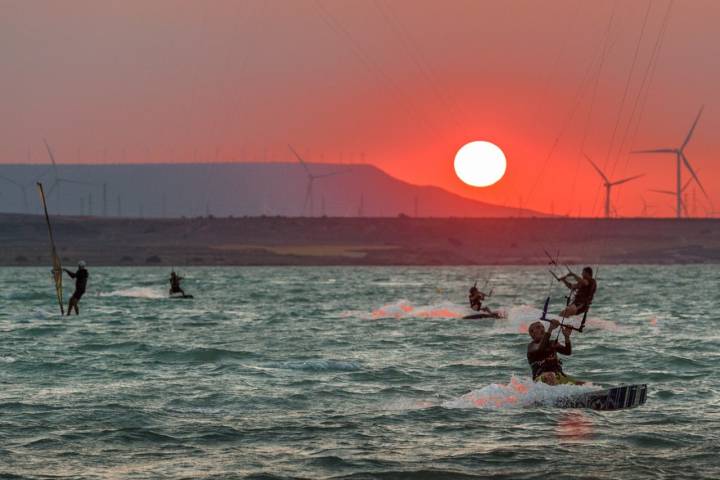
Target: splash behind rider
{"points": [[81, 278]]}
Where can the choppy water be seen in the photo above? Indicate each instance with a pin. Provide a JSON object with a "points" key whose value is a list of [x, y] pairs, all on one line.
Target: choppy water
{"points": [[350, 372]]}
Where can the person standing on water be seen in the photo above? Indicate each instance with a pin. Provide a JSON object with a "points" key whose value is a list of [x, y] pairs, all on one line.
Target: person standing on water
{"points": [[542, 354], [175, 283], [584, 288], [81, 278]]}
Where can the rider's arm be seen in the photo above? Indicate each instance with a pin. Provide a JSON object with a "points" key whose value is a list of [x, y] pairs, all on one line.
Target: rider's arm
{"points": [[72, 274], [567, 348]]}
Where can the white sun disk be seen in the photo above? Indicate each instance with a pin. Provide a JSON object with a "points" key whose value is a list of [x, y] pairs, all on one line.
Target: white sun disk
{"points": [[480, 163]]}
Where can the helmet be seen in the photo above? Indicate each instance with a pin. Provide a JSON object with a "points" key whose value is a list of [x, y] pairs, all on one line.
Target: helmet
{"points": [[81, 264]]}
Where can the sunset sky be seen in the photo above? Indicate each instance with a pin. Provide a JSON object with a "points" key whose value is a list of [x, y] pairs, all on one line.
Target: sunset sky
{"points": [[399, 84]]}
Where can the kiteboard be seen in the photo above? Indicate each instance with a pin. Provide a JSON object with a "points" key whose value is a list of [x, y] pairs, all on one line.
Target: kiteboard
{"points": [[173, 296], [475, 316], [614, 398]]}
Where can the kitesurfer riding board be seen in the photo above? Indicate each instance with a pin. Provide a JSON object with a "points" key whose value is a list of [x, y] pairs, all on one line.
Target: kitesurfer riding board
{"points": [[175, 290], [476, 297], [542, 354], [583, 292]]}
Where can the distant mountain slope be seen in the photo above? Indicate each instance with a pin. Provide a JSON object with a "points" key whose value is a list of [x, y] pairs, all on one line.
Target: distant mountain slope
{"points": [[237, 189]]}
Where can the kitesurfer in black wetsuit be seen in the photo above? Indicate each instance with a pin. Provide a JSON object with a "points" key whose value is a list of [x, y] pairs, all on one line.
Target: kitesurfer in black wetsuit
{"points": [[175, 284], [584, 289], [476, 298], [81, 278], [542, 354]]}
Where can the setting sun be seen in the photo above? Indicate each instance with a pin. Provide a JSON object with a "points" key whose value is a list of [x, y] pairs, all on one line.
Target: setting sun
{"points": [[480, 163]]}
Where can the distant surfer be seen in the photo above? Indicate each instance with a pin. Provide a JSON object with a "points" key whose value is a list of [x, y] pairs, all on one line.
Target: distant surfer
{"points": [[81, 278], [584, 288], [476, 298], [175, 284], [542, 354]]}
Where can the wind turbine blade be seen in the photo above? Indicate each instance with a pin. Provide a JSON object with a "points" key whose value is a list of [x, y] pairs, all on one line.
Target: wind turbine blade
{"points": [[597, 169], [626, 179], [52, 187], [331, 174], [302, 162], [7, 179], [52, 157], [692, 129], [665, 192], [687, 164], [657, 150], [687, 184], [79, 182]]}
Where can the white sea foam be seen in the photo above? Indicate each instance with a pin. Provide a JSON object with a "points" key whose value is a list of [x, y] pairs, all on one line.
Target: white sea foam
{"points": [[136, 292], [517, 393], [405, 309]]}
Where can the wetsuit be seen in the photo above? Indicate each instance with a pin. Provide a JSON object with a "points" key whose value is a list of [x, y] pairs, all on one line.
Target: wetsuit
{"points": [[81, 278], [584, 296], [544, 359], [175, 284], [475, 303]]}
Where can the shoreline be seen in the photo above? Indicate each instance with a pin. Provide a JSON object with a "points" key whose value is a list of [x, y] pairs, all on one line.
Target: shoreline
{"points": [[338, 241]]}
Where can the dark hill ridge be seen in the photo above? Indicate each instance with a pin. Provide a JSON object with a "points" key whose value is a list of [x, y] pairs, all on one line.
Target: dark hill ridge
{"points": [[237, 189], [357, 241]]}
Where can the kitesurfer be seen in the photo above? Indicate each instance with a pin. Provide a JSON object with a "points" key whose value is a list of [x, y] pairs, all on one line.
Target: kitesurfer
{"points": [[175, 284], [584, 288], [81, 278], [476, 298], [542, 354]]}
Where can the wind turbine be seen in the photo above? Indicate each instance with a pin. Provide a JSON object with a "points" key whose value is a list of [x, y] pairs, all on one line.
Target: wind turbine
{"points": [[24, 186], [22, 190], [311, 180], [682, 190], [680, 160], [646, 208], [608, 184], [58, 179]]}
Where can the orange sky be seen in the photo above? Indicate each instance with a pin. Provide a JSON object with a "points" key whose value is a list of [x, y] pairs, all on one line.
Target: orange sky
{"points": [[401, 84]]}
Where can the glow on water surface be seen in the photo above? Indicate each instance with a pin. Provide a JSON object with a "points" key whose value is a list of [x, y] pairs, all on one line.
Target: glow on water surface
{"points": [[350, 372]]}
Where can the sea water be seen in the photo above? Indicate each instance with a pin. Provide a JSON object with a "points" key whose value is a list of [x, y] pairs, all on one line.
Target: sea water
{"points": [[351, 373]]}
